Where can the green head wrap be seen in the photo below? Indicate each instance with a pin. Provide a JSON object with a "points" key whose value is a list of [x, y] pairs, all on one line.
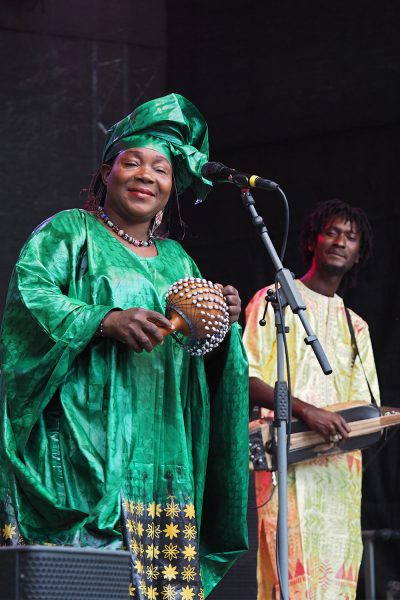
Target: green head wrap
{"points": [[173, 126]]}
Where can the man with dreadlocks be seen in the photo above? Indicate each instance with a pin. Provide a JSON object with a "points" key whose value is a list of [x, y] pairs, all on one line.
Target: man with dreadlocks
{"points": [[324, 494]]}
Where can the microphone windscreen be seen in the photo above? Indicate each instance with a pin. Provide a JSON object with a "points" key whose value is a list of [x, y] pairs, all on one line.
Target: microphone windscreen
{"points": [[215, 171]]}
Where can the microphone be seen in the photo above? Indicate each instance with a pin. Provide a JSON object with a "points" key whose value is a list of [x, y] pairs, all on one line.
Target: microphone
{"points": [[219, 173]]}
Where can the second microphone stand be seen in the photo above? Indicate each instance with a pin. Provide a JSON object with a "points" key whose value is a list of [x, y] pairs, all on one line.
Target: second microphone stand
{"points": [[285, 295]]}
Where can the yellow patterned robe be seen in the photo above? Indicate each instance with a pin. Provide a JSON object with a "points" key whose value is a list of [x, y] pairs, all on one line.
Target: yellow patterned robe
{"points": [[324, 495]]}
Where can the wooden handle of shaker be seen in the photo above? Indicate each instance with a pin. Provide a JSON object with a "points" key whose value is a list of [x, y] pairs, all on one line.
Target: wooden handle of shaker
{"points": [[180, 325]]}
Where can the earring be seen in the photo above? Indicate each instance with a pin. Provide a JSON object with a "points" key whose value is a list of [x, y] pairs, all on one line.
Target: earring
{"points": [[157, 222]]}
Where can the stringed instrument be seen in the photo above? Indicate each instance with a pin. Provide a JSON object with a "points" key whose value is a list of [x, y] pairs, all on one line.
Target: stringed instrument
{"points": [[367, 423]]}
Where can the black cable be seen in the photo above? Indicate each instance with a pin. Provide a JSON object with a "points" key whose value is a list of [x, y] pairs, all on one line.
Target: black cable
{"points": [[257, 506], [289, 394], [286, 230], [289, 426], [381, 445]]}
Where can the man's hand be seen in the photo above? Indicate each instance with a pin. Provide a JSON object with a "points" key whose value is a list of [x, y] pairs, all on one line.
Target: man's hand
{"points": [[330, 425]]}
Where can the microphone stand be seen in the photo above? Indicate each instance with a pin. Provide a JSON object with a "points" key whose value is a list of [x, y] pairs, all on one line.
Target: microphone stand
{"points": [[286, 295]]}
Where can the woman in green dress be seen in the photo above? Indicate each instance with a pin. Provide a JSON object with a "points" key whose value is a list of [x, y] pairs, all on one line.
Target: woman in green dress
{"points": [[112, 436]]}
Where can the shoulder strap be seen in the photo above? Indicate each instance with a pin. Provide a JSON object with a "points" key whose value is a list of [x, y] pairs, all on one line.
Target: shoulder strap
{"points": [[356, 351]]}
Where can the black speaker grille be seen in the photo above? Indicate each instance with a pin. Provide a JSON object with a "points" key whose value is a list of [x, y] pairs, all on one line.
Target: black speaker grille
{"points": [[37, 573]]}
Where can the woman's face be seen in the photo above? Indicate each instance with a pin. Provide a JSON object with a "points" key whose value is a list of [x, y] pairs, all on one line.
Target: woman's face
{"points": [[138, 184]]}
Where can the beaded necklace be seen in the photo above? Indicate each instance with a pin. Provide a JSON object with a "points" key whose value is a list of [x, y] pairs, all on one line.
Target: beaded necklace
{"points": [[128, 238]]}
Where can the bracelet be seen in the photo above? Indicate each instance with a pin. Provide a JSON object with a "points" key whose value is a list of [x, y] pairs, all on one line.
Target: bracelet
{"points": [[100, 330]]}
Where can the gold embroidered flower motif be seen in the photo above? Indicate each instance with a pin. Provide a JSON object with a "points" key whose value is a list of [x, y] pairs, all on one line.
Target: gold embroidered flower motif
{"points": [[189, 532], [187, 593], [189, 552], [139, 509], [152, 593], [152, 551], [170, 551], [153, 531], [132, 590], [143, 587], [152, 572], [134, 546], [188, 573], [8, 531], [168, 592], [138, 566], [172, 510], [170, 572], [154, 510], [130, 525], [190, 512], [171, 531]]}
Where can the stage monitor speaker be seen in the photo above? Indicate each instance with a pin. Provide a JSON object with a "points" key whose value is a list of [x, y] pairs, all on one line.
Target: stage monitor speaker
{"points": [[63, 573]]}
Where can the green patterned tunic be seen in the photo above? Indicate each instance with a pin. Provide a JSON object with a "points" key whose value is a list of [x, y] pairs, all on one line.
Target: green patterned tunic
{"points": [[110, 448]]}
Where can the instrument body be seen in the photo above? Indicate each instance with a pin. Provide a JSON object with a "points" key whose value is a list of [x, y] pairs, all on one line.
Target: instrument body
{"points": [[367, 424], [199, 312]]}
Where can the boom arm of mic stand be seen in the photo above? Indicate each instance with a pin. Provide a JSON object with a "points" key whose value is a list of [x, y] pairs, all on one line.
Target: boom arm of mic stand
{"points": [[285, 279], [297, 305]]}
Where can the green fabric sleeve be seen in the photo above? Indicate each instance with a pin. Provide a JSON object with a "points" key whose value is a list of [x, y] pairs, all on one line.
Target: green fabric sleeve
{"points": [[43, 292]]}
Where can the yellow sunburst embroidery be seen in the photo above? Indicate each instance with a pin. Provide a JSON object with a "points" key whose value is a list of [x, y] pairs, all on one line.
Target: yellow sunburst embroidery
{"points": [[141, 549], [130, 525], [168, 592], [125, 504], [143, 587], [140, 528], [189, 532], [170, 572], [8, 531], [188, 573], [190, 512], [201, 595], [152, 551], [189, 552], [154, 510], [138, 566], [171, 531], [139, 509], [187, 593], [172, 510], [170, 551], [152, 593], [131, 506], [132, 590], [134, 546]]}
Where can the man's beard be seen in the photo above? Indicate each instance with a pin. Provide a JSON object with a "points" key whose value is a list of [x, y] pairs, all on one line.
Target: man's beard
{"points": [[336, 269]]}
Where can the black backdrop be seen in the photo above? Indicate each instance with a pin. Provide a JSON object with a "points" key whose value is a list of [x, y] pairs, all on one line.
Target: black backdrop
{"points": [[306, 94]]}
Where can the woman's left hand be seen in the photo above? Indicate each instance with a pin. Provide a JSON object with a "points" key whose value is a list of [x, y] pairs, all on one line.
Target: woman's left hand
{"points": [[233, 301]]}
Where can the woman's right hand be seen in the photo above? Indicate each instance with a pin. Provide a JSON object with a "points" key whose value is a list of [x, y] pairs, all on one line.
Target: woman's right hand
{"points": [[136, 327]]}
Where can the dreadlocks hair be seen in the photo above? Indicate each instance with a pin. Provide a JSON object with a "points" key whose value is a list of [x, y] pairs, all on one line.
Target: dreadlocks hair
{"points": [[324, 213]]}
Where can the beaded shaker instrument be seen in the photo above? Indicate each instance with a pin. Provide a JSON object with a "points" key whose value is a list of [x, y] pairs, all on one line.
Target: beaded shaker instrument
{"points": [[199, 312]]}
